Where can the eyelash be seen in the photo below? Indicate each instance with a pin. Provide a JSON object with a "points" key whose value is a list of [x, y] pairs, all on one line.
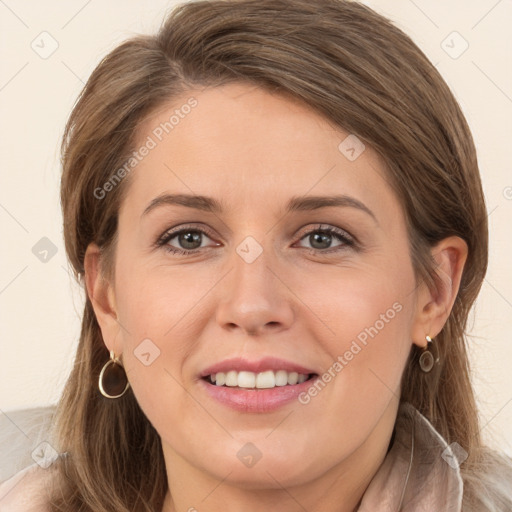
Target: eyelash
{"points": [[342, 236]]}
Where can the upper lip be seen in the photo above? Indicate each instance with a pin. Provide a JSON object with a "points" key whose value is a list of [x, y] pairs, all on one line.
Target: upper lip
{"points": [[267, 363]]}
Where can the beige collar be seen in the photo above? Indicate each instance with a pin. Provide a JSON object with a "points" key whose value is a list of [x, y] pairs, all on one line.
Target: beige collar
{"points": [[415, 475]]}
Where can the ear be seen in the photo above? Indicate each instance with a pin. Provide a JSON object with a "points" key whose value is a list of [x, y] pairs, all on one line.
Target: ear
{"points": [[101, 295], [433, 307]]}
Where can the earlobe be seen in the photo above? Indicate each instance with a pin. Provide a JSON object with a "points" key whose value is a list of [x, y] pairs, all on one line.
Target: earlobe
{"points": [[101, 294], [434, 305]]}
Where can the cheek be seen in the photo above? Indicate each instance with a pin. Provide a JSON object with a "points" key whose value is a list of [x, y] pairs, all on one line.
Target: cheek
{"points": [[366, 318], [158, 311], [374, 352], [154, 298], [359, 305]]}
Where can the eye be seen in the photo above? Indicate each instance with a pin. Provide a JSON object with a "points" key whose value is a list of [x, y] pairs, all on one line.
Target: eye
{"points": [[189, 239], [321, 239]]}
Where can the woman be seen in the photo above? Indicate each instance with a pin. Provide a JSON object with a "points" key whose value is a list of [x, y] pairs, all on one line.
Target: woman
{"points": [[276, 211]]}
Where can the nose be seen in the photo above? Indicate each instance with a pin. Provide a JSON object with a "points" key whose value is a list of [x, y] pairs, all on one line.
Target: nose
{"points": [[254, 298]]}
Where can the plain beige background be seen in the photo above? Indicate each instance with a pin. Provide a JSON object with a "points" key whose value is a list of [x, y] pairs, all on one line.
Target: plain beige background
{"points": [[40, 306]]}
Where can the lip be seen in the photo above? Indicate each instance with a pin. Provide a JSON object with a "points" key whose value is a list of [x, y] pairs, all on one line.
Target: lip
{"points": [[266, 363], [256, 400]]}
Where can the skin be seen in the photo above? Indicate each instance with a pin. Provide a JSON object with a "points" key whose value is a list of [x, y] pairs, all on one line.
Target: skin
{"points": [[253, 151]]}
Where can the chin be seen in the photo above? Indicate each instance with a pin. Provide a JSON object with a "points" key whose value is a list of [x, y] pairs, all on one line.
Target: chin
{"points": [[250, 468]]}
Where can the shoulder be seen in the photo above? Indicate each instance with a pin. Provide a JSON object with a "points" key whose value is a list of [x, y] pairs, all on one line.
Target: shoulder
{"points": [[489, 487], [26, 491]]}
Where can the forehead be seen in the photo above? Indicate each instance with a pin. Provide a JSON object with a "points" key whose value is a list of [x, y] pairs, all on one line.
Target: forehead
{"points": [[245, 145]]}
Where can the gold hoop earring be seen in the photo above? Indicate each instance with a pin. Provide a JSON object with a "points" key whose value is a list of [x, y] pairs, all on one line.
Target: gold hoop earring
{"points": [[427, 358], [113, 381]]}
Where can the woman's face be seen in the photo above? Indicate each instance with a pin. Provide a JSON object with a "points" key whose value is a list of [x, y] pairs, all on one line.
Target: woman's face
{"points": [[263, 279]]}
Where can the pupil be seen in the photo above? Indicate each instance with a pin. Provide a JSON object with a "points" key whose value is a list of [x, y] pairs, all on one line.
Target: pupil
{"points": [[190, 237], [322, 238]]}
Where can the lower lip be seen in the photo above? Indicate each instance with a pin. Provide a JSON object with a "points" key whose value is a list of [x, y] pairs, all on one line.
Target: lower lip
{"points": [[256, 400]]}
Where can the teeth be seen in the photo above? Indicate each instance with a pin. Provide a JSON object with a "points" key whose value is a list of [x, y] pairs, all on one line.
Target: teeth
{"points": [[231, 379], [262, 380], [281, 378]]}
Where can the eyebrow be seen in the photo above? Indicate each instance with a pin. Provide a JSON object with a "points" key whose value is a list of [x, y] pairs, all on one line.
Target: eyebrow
{"points": [[300, 203]]}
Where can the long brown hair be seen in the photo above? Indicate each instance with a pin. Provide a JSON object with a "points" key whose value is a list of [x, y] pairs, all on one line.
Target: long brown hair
{"points": [[363, 74]]}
